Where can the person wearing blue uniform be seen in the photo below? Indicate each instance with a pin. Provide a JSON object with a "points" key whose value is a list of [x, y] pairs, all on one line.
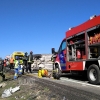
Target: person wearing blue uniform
{"points": [[20, 66]]}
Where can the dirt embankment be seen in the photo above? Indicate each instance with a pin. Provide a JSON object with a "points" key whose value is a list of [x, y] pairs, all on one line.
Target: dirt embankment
{"points": [[29, 89], [33, 88]]}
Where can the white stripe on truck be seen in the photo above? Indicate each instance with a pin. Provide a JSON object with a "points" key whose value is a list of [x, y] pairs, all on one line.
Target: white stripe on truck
{"points": [[84, 65]]}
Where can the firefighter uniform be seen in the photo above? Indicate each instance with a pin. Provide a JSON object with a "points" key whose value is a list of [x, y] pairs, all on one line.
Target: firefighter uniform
{"points": [[29, 62], [53, 60], [24, 62]]}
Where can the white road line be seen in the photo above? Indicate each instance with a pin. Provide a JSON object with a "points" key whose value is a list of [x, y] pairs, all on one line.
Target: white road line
{"points": [[83, 84], [75, 81]]}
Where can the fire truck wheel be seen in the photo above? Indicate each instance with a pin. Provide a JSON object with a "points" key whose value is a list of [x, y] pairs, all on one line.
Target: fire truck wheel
{"points": [[93, 74], [57, 73]]}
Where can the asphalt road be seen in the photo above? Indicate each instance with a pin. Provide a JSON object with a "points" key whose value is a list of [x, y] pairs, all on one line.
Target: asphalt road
{"points": [[65, 91]]}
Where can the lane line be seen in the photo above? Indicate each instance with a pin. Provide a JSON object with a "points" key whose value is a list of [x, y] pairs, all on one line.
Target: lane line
{"points": [[75, 81], [87, 84]]}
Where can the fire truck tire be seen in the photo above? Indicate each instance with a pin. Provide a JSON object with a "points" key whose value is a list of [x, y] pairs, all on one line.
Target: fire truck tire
{"points": [[93, 74], [57, 73]]}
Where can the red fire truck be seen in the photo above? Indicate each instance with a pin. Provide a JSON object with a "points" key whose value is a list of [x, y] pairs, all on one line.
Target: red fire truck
{"points": [[80, 51]]}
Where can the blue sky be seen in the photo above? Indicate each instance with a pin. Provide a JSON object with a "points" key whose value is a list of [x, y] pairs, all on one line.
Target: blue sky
{"points": [[39, 25]]}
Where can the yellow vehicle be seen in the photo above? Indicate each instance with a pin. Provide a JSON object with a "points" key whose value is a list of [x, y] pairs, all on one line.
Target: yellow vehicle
{"points": [[19, 54]]}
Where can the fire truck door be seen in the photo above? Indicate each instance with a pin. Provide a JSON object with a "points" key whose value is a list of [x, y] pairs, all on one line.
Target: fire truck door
{"points": [[62, 55]]}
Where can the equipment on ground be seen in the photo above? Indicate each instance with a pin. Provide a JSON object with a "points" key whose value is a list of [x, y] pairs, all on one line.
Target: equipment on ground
{"points": [[43, 73]]}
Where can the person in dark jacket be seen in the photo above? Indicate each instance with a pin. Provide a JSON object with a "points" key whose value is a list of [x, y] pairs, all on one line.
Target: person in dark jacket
{"points": [[24, 62], [29, 62], [1, 70]]}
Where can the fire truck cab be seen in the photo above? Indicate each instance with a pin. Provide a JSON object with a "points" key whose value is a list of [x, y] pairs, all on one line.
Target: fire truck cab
{"points": [[80, 50]]}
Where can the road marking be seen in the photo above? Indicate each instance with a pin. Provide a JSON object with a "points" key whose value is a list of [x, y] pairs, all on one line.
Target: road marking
{"points": [[74, 81], [83, 84]]}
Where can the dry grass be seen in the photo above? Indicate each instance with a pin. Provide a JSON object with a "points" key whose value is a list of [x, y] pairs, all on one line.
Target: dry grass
{"points": [[27, 92]]}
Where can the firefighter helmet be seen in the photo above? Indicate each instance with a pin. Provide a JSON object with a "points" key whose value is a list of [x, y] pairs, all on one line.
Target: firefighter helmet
{"points": [[31, 52]]}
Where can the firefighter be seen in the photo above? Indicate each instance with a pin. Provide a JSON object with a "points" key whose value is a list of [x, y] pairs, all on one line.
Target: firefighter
{"points": [[16, 63], [7, 63], [53, 57], [24, 62], [4, 65], [29, 62], [53, 60], [1, 70]]}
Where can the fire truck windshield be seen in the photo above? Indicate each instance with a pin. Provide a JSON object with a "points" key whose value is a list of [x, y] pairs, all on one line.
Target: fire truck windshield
{"points": [[62, 46]]}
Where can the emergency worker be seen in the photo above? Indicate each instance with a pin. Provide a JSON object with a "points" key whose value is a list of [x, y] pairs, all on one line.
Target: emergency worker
{"points": [[4, 64], [53, 60], [24, 62], [7, 63], [29, 62], [11, 63], [1, 70], [54, 55], [20, 66], [16, 65]]}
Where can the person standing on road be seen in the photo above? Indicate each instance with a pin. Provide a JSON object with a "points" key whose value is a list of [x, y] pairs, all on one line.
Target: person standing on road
{"points": [[1, 70], [24, 63], [5, 64], [11, 63], [20, 67], [16, 63], [29, 62]]}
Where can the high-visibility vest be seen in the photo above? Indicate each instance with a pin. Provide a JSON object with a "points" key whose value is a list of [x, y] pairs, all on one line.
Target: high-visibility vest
{"points": [[16, 63], [29, 59]]}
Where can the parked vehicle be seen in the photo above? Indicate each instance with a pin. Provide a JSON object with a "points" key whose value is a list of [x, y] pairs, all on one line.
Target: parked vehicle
{"points": [[17, 53], [79, 51]]}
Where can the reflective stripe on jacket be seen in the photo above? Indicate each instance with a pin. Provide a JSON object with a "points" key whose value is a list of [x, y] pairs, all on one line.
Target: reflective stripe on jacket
{"points": [[30, 59]]}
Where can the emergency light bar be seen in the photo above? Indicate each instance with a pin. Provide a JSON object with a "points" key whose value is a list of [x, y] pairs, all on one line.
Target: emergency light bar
{"points": [[92, 17], [70, 28]]}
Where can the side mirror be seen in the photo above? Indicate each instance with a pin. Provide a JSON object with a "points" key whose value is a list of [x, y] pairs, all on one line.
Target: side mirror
{"points": [[53, 50]]}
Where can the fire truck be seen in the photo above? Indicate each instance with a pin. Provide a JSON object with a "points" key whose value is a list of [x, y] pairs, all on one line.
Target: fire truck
{"points": [[79, 51]]}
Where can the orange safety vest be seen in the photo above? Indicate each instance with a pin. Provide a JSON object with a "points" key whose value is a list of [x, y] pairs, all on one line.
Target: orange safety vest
{"points": [[11, 60]]}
